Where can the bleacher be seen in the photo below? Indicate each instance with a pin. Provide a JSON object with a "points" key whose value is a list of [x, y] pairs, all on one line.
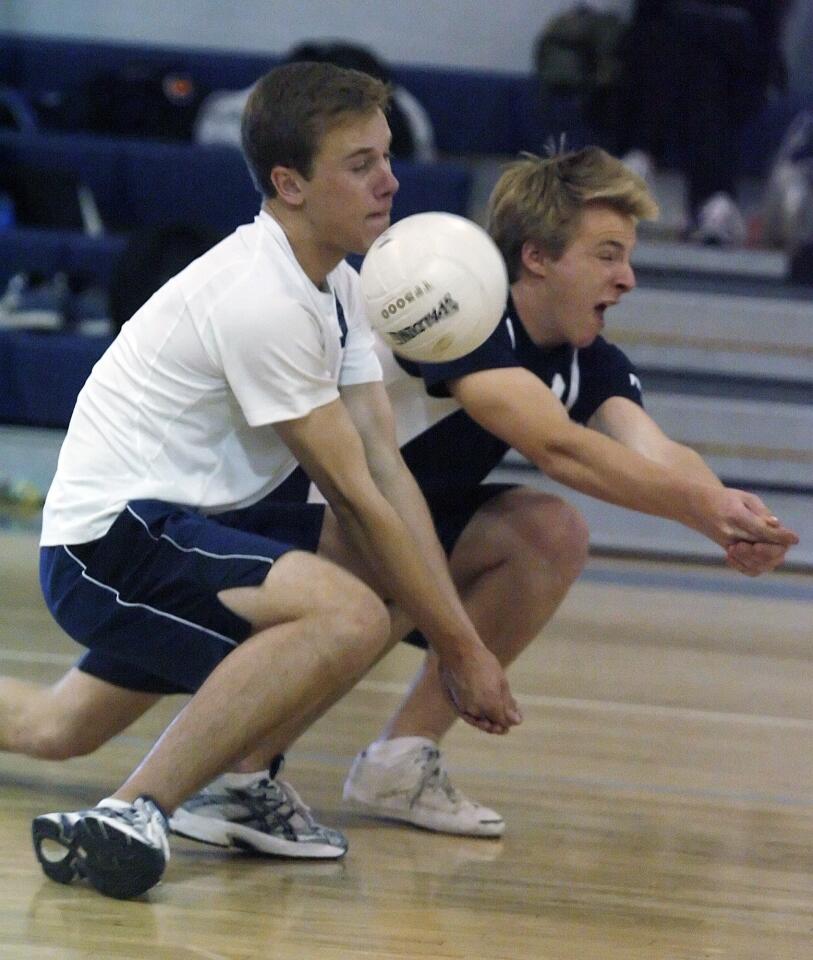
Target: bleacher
{"points": [[701, 317]]}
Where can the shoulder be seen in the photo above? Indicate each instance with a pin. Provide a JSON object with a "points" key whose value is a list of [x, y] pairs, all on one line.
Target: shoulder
{"points": [[605, 371], [601, 349]]}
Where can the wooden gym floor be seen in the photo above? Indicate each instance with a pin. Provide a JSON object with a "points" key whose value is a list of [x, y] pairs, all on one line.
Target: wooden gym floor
{"points": [[659, 800]]}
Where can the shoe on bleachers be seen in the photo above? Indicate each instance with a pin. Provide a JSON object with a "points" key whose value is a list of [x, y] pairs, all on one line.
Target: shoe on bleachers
{"points": [[255, 811], [34, 303], [789, 186], [642, 164], [120, 848], [719, 223], [404, 779]]}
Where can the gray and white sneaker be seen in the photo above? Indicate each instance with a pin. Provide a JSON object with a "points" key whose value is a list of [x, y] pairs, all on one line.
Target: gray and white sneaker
{"points": [[255, 811], [120, 848], [720, 223], [404, 779]]}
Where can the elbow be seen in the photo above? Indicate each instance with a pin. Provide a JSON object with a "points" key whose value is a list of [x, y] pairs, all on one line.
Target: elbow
{"points": [[555, 460]]}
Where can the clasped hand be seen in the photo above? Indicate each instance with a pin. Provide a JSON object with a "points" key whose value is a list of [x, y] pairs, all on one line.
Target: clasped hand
{"points": [[477, 688]]}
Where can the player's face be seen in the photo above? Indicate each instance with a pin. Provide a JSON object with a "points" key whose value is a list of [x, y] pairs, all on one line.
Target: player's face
{"points": [[350, 191], [592, 274]]}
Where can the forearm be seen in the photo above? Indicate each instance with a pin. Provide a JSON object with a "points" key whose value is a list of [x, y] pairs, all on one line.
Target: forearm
{"points": [[401, 489], [601, 467], [409, 565], [684, 460]]}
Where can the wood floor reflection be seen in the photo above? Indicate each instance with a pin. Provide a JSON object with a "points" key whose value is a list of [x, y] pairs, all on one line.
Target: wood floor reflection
{"points": [[659, 800]]}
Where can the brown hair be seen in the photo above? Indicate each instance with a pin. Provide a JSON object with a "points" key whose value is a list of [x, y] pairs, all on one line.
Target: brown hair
{"points": [[291, 108], [542, 199]]}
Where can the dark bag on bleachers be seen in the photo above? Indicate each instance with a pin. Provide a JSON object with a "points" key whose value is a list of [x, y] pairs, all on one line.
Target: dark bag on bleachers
{"points": [[152, 256], [50, 198], [577, 58], [144, 100], [139, 99]]}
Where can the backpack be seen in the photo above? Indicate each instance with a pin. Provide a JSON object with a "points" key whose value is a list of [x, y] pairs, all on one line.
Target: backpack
{"points": [[578, 56], [141, 98], [152, 256]]}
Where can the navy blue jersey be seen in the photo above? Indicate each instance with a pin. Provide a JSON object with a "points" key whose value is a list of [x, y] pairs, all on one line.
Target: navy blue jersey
{"points": [[455, 449]]}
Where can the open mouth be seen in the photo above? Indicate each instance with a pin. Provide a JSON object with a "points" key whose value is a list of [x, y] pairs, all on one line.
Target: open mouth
{"points": [[601, 307]]}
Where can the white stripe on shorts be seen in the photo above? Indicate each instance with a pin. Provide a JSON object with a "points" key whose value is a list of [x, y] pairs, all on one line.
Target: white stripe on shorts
{"points": [[146, 606]]}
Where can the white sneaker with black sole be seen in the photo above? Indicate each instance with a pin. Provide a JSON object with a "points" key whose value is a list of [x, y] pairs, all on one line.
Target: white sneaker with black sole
{"points": [[254, 811], [404, 779], [120, 848]]}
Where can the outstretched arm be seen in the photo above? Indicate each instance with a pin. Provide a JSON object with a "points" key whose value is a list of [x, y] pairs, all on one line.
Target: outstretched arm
{"points": [[630, 425], [515, 405]]}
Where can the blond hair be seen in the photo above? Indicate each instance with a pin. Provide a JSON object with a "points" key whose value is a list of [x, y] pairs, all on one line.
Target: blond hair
{"points": [[543, 199]]}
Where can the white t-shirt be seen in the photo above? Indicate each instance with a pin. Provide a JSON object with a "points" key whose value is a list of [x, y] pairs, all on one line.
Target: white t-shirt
{"points": [[414, 409], [180, 407]]}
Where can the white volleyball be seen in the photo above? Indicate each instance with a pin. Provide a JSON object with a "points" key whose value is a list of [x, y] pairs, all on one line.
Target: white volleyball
{"points": [[435, 286]]}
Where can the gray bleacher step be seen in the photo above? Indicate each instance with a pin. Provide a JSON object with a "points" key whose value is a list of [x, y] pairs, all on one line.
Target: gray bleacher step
{"points": [[746, 442], [715, 384], [628, 533], [665, 255], [715, 332], [29, 455], [759, 287]]}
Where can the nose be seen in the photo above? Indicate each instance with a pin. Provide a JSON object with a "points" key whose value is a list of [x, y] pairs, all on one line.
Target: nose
{"points": [[388, 185], [626, 278]]}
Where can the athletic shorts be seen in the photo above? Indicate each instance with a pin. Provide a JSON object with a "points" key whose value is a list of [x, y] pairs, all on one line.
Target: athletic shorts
{"points": [[451, 509], [143, 598]]}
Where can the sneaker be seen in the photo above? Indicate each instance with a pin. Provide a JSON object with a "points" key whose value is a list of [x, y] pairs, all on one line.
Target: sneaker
{"points": [[120, 848], [404, 779], [255, 811], [720, 223]]}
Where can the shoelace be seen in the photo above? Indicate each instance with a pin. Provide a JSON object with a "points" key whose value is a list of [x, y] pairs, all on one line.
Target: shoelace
{"points": [[145, 817], [279, 794], [434, 776], [138, 814]]}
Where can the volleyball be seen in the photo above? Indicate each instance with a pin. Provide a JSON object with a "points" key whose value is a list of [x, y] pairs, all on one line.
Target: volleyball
{"points": [[434, 286]]}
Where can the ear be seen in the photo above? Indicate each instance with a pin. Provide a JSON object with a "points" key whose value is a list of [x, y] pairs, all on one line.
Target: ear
{"points": [[534, 258], [288, 185]]}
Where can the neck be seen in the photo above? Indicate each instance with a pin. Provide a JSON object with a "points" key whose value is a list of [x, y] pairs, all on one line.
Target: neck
{"points": [[531, 307], [316, 259]]}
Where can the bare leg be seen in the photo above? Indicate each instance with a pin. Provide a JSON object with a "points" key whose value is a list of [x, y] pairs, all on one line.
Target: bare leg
{"points": [[70, 718], [513, 564], [311, 646], [286, 734]]}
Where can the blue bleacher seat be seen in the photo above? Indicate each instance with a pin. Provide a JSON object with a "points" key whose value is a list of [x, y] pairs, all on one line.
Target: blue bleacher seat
{"points": [[49, 371]]}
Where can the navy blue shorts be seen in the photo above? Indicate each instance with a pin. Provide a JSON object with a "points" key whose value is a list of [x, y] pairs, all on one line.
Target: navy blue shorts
{"points": [[143, 598], [451, 508]]}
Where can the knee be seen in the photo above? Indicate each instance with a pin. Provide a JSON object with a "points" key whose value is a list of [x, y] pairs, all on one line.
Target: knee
{"points": [[566, 539], [359, 622], [555, 531], [53, 738]]}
